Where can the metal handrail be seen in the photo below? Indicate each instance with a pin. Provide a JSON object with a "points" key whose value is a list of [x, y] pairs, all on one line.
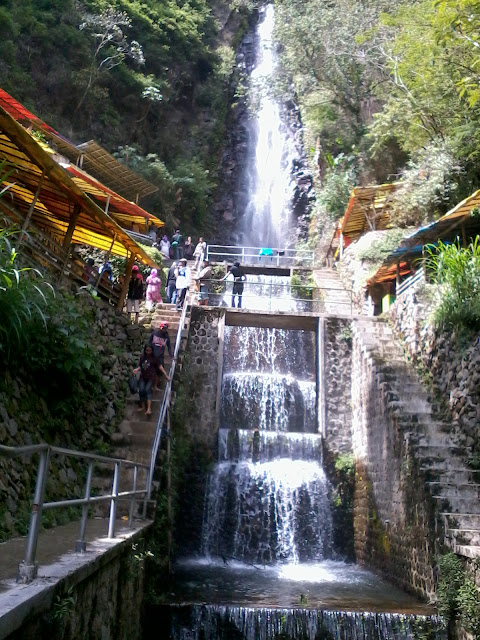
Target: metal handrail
{"points": [[271, 285], [166, 398], [244, 253], [27, 569]]}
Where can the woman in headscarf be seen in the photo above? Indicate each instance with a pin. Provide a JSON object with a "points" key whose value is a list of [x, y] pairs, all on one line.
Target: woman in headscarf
{"points": [[154, 285]]}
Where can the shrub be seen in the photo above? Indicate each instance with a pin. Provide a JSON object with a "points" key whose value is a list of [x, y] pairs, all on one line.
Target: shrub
{"points": [[456, 271]]}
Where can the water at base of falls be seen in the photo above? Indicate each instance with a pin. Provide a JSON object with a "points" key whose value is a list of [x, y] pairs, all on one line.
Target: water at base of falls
{"points": [[241, 623]]}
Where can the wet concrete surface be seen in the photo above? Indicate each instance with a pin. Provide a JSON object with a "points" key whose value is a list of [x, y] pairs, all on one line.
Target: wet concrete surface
{"points": [[52, 544]]}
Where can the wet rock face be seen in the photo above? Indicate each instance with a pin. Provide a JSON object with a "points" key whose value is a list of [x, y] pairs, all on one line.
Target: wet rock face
{"points": [[233, 193]]}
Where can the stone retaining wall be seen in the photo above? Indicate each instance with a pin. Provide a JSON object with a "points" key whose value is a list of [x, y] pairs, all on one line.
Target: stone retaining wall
{"points": [[338, 383], [205, 357], [25, 419], [394, 519]]}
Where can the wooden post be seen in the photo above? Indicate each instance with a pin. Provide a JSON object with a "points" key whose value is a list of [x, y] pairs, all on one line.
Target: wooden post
{"points": [[221, 342], [128, 273], [31, 208], [67, 241], [398, 274], [341, 245]]}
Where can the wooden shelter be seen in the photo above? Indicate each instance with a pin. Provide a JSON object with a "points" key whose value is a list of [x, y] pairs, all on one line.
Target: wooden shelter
{"points": [[43, 198], [368, 209], [89, 156], [461, 224]]}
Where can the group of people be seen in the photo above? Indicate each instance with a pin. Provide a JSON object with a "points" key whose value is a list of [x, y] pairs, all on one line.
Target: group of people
{"points": [[178, 248]]}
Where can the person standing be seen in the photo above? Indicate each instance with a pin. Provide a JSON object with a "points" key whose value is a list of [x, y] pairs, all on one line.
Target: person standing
{"points": [[238, 282], [177, 244], [154, 285], [183, 282], [202, 279], [171, 283], [200, 252], [188, 248], [165, 246], [135, 292]]}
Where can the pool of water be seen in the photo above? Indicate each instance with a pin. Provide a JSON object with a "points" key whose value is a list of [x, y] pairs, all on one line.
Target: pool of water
{"points": [[326, 585]]}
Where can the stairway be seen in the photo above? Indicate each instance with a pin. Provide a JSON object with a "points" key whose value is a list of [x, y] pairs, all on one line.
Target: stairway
{"points": [[134, 436], [333, 295], [435, 444]]}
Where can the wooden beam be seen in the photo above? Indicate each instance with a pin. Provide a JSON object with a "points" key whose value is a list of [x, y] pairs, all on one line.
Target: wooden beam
{"points": [[31, 208], [69, 235], [128, 273]]}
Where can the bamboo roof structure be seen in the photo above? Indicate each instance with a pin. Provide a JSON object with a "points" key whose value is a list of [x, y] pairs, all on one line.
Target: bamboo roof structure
{"points": [[90, 156], [43, 192], [368, 210], [460, 223]]}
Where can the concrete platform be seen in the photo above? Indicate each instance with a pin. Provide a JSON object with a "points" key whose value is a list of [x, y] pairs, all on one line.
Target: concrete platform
{"points": [[57, 561]]}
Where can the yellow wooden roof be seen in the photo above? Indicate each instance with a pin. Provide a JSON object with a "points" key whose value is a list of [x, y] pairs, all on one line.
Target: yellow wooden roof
{"points": [[368, 209], [58, 194]]}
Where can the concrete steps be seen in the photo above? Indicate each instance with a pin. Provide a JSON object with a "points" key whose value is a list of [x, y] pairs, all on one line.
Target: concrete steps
{"points": [[134, 436], [434, 444], [334, 297]]}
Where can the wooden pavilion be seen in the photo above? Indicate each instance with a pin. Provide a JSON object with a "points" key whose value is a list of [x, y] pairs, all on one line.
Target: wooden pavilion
{"points": [[54, 211]]}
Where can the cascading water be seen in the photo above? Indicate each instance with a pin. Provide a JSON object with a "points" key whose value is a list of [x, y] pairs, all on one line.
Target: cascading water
{"points": [[267, 216], [263, 505]]}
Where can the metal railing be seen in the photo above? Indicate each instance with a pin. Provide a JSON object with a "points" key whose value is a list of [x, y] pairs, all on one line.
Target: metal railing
{"points": [[266, 296], [166, 397], [261, 256], [27, 569], [409, 282]]}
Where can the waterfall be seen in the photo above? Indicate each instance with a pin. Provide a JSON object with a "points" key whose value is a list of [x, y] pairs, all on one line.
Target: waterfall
{"points": [[270, 186], [267, 498], [227, 623]]}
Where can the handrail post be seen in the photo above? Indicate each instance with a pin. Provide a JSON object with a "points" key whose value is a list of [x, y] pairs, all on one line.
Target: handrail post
{"points": [[80, 544], [113, 502], [132, 501], [27, 570]]}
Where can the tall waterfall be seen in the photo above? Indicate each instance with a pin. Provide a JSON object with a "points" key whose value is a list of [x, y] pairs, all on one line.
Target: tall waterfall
{"points": [[266, 220]]}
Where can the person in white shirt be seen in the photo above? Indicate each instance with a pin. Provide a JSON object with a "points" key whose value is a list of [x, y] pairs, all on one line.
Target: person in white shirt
{"points": [[183, 282], [200, 252]]}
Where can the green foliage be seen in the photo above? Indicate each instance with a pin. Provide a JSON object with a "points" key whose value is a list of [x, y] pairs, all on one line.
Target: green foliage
{"points": [[24, 295], [458, 597], [335, 193], [381, 247], [345, 464], [63, 605], [452, 576], [302, 285], [456, 271]]}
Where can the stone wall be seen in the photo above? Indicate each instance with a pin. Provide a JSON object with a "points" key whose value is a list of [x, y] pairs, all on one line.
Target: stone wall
{"points": [[26, 418], [99, 599], [393, 511], [204, 362], [338, 383], [452, 364]]}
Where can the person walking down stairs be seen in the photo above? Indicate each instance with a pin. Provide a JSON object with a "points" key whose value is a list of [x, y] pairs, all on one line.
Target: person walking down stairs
{"points": [[159, 340], [148, 367]]}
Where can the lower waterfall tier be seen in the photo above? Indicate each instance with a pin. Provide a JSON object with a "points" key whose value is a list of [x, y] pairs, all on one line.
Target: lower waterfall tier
{"points": [[267, 512], [209, 622]]}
